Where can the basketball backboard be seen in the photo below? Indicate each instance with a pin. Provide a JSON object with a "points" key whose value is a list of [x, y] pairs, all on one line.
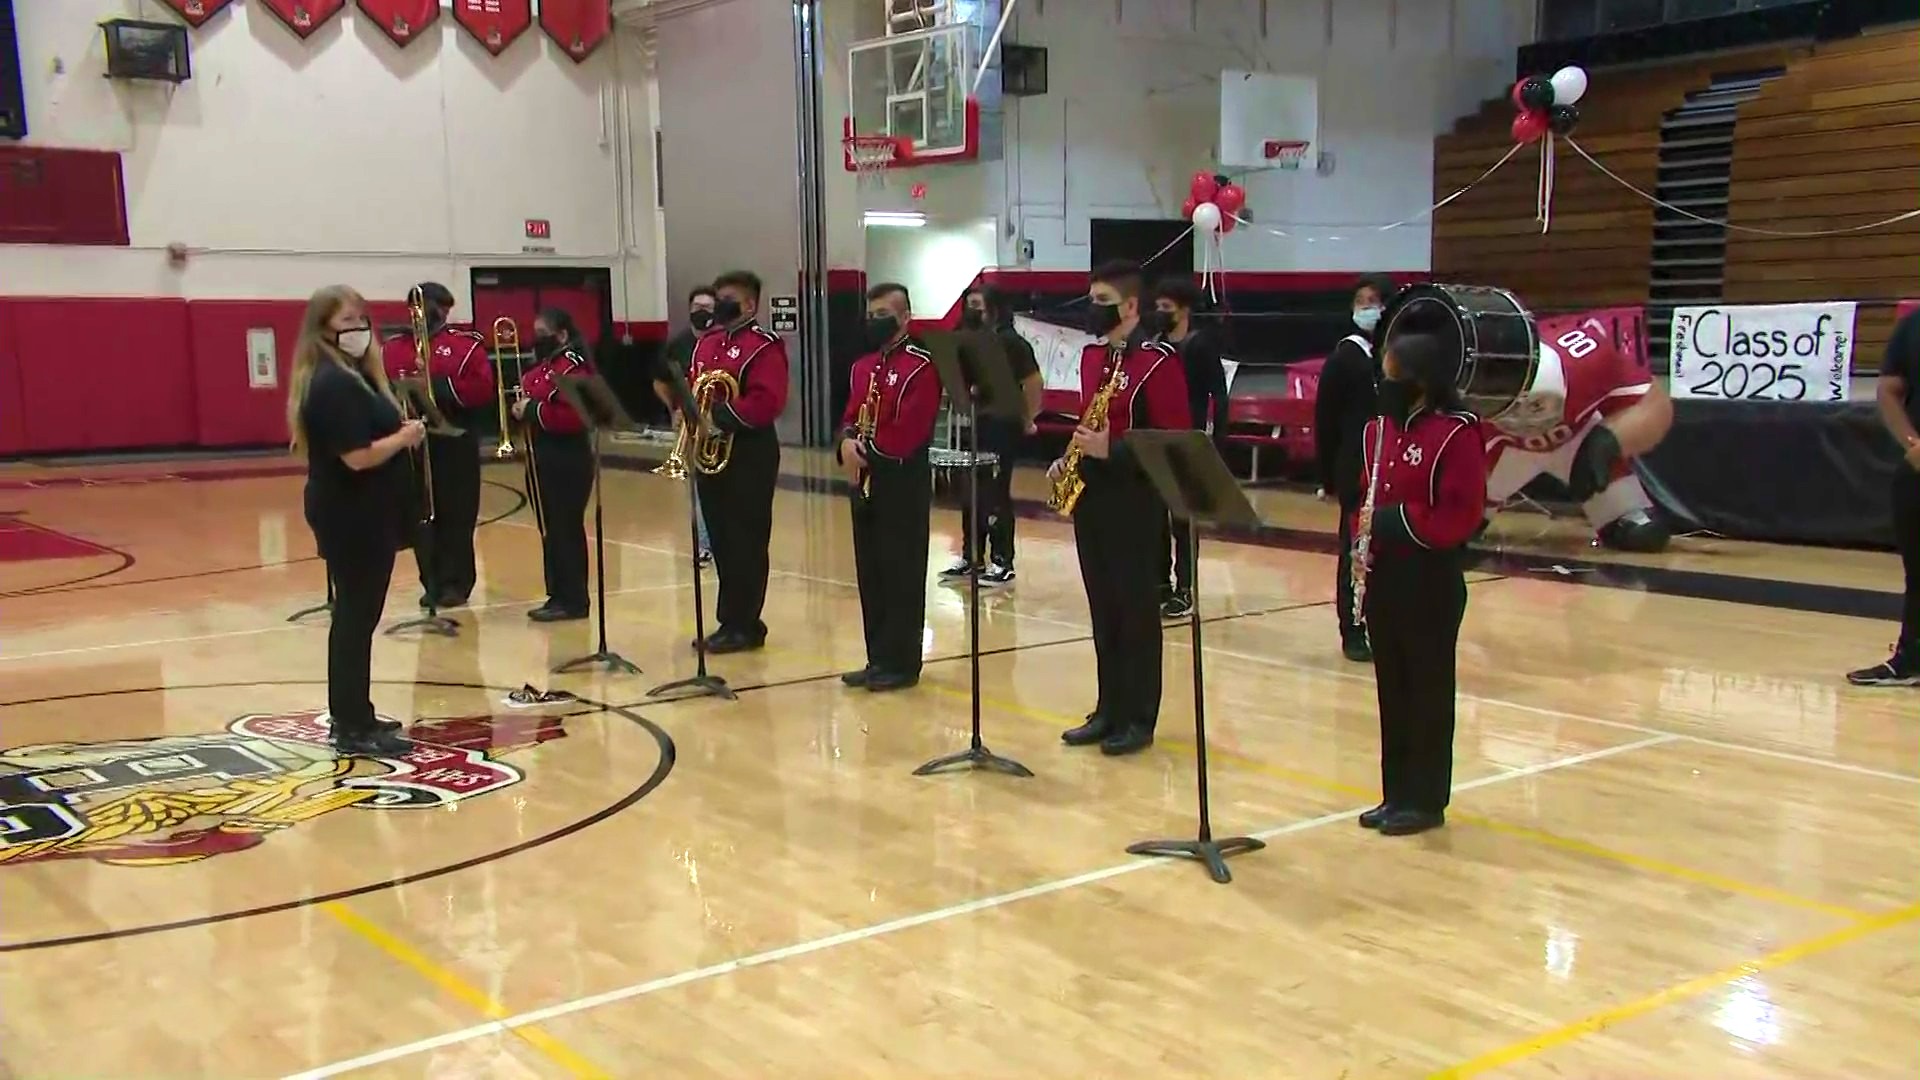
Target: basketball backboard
{"points": [[916, 84], [1262, 115]]}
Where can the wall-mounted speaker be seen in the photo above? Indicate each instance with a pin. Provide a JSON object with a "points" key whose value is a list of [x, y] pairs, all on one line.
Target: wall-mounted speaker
{"points": [[13, 97]]}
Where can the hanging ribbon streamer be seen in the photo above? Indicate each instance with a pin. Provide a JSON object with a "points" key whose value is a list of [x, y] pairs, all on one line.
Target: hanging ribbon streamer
{"points": [[1512, 152], [1543, 205]]}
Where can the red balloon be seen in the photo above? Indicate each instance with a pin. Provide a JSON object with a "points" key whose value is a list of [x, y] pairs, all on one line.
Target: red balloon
{"points": [[1514, 95], [1530, 127], [1231, 199], [1228, 222], [1187, 208], [1205, 187]]}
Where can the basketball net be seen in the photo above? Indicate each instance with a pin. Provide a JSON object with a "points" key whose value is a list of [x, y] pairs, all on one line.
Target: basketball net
{"points": [[1288, 155], [872, 156]]}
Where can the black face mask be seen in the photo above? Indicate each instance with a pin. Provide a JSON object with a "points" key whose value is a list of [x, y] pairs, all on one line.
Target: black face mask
{"points": [[436, 319], [545, 345], [972, 319], [880, 330], [1396, 399], [726, 311], [1102, 319], [700, 318], [1168, 321]]}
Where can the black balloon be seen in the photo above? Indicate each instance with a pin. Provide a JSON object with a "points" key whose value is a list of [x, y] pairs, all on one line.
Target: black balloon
{"points": [[1536, 93], [1563, 119]]}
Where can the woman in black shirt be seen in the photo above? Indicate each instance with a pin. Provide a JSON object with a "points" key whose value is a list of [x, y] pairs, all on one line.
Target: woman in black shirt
{"points": [[342, 413]]}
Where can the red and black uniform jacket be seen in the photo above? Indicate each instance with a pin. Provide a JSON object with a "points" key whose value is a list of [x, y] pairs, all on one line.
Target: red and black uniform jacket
{"points": [[757, 358], [1432, 490], [459, 370], [1152, 395], [909, 402], [547, 408]]}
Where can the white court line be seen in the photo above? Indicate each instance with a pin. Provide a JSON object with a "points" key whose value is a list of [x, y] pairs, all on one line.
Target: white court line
{"points": [[771, 956], [282, 627]]}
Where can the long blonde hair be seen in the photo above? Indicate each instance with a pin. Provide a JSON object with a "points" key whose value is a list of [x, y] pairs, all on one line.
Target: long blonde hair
{"points": [[315, 347]]}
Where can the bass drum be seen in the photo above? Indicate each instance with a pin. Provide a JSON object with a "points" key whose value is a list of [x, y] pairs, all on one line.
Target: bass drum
{"points": [[1487, 329]]}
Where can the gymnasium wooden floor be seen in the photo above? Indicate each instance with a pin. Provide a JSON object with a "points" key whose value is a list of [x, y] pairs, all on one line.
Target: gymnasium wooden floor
{"points": [[1681, 845]]}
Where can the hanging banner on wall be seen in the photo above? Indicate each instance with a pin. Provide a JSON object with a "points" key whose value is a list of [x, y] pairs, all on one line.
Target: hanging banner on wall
{"points": [[197, 12], [577, 26], [303, 17], [495, 24], [1763, 352], [402, 20]]}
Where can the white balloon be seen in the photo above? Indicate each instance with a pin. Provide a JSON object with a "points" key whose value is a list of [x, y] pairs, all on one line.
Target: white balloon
{"points": [[1569, 85], [1206, 217]]}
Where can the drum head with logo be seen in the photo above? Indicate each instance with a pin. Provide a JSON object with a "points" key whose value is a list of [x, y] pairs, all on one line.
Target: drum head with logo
{"points": [[1488, 329]]}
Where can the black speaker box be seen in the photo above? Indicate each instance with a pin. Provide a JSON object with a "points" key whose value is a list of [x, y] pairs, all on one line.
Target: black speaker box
{"points": [[13, 98]]}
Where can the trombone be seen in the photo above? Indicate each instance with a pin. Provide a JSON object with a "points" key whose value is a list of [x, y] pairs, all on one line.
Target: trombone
{"points": [[506, 340], [422, 361]]}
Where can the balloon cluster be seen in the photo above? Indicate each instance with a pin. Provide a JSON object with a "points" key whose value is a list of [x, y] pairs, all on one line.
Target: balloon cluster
{"points": [[1215, 204], [1548, 104]]}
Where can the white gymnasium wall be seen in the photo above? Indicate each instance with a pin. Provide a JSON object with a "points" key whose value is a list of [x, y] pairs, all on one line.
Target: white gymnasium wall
{"points": [[287, 164], [935, 263], [1133, 111]]}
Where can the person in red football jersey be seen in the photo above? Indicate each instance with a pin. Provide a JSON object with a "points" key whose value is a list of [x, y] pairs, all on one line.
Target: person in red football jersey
{"points": [[885, 459], [1425, 487], [563, 462]]}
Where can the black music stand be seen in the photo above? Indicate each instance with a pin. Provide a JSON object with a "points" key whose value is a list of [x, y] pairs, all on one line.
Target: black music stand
{"points": [[596, 403], [308, 612], [1191, 479], [701, 684], [973, 368], [417, 393]]}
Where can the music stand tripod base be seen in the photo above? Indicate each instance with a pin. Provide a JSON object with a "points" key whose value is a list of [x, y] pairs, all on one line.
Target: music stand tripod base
{"points": [[697, 686], [1214, 853], [974, 757], [430, 623], [307, 613], [615, 663]]}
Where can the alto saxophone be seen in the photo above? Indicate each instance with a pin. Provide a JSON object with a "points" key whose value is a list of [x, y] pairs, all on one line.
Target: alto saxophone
{"points": [[1363, 532], [1071, 484], [865, 424]]}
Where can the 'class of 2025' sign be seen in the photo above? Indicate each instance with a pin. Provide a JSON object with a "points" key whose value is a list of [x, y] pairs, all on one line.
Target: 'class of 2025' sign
{"points": [[1771, 352]]}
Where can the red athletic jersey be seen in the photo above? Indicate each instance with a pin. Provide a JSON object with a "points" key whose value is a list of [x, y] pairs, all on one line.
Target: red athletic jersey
{"points": [[548, 407], [1433, 477], [1152, 391], [909, 400], [458, 366], [1588, 367], [758, 359]]}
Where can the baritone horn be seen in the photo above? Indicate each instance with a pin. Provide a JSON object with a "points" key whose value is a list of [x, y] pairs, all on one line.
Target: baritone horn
{"points": [[506, 340], [711, 448]]}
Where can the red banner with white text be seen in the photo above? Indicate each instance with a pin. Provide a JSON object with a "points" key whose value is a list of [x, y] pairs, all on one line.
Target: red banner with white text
{"points": [[401, 20], [303, 17], [577, 26], [495, 24]]}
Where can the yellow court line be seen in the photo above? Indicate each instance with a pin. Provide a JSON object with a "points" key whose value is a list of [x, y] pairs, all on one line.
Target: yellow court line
{"points": [[1601, 1021], [479, 1000]]}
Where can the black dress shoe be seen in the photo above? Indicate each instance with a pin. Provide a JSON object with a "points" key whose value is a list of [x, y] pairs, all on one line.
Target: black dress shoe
{"points": [[453, 600], [733, 641], [370, 742], [1409, 822], [556, 613], [879, 682], [1355, 648], [1371, 819], [857, 679], [383, 724], [1132, 740], [1087, 734]]}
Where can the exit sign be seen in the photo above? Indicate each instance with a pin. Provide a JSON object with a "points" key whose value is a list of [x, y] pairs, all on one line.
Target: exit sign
{"points": [[539, 229]]}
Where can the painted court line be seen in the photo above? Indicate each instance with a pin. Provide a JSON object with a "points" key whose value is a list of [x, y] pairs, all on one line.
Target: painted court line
{"points": [[506, 1025]]}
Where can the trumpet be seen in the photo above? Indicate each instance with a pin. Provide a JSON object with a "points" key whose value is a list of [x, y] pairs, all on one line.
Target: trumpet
{"points": [[865, 424], [506, 339], [1071, 484], [422, 362]]}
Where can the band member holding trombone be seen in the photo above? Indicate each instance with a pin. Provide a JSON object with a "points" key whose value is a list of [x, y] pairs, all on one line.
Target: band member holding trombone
{"points": [[748, 368], [460, 375], [892, 403], [562, 463]]}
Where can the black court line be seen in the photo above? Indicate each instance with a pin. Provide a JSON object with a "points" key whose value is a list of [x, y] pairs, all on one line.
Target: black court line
{"points": [[646, 787]]}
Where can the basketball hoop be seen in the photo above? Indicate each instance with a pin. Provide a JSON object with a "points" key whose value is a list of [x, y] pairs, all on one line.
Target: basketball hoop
{"points": [[871, 156], [1286, 153]]}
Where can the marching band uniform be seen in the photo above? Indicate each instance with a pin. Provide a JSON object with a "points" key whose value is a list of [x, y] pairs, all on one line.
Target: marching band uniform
{"points": [[890, 525], [461, 378], [738, 501], [1117, 529], [1431, 488], [563, 463]]}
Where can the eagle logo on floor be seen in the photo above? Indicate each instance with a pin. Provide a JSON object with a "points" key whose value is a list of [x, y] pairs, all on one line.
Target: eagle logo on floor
{"points": [[183, 798]]}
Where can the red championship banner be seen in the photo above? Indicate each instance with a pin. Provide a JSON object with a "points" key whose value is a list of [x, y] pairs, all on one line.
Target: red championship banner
{"points": [[197, 12], [303, 17], [496, 24], [577, 26], [402, 20]]}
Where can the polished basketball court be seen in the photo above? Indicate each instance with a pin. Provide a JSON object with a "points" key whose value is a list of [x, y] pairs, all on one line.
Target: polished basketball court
{"points": [[1681, 846]]}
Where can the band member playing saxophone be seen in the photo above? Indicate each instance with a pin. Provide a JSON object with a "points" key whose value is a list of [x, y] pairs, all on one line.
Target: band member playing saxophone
{"points": [[563, 459], [736, 492], [461, 376], [892, 404], [1425, 470], [1128, 379]]}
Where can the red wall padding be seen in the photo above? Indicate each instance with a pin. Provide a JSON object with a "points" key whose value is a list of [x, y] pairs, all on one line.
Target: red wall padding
{"points": [[13, 428], [101, 374], [231, 412]]}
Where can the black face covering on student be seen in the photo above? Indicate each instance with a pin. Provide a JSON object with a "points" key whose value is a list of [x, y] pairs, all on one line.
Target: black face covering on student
{"points": [[1102, 318], [700, 318], [880, 331], [545, 345], [726, 311], [973, 319]]}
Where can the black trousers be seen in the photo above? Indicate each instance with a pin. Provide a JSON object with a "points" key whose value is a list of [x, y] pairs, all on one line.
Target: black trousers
{"points": [[1415, 602], [564, 470], [890, 534], [994, 531], [1176, 556], [1906, 537], [447, 546], [738, 507], [1121, 570], [1343, 582], [360, 580]]}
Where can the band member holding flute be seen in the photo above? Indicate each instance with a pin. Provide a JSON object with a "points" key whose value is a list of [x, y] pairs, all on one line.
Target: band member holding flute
{"points": [[737, 498], [1424, 468], [1128, 379], [563, 462], [892, 403], [342, 414], [461, 378]]}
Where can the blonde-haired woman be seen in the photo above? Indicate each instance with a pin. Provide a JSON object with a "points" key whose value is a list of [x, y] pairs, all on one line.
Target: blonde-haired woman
{"points": [[343, 415]]}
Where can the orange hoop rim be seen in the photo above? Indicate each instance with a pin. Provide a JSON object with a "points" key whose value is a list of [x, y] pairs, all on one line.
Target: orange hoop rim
{"points": [[875, 152], [1289, 153]]}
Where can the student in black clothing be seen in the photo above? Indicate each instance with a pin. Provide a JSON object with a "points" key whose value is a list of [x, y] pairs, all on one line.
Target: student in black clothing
{"points": [[986, 308], [679, 353], [1175, 299], [1344, 405], [342, 414], [1899, 398]]}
